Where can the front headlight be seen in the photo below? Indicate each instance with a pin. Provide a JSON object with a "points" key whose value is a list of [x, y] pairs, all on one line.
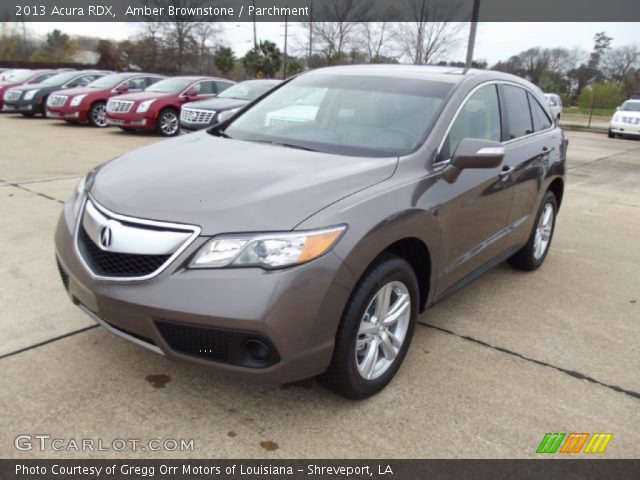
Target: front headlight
{"points": [[144, 106], [269, 250], [30, 94], [616, 118], [75, 101], [78, 196]]}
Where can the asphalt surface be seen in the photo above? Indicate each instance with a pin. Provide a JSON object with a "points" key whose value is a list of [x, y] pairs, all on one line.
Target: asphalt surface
{"points": [[491, 370]]}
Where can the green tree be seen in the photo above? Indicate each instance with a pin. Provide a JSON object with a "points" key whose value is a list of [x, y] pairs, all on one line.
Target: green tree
{"points": [[59, 47], [603, 95], [263, 60], [224, 59], [110, 56], [294, 66]]}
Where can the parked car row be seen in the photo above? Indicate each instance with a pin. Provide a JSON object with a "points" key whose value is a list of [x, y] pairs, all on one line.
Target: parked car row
{"points": [[132, 101]]}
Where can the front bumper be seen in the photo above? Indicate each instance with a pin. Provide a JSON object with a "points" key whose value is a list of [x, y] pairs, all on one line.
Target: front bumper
{"points": [[621, 128], [22, 106], [76, 114], [137, 121], [192, 127], [296, 310]]}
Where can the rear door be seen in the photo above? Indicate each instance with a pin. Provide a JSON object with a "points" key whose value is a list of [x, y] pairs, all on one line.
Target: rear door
{"points": [[529, 141]]}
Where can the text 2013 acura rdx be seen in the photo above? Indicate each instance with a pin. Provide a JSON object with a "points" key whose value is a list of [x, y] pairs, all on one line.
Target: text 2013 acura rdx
{"points": [[284, 251]]}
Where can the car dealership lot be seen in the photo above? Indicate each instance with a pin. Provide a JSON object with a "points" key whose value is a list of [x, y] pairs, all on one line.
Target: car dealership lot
{"points": [[490, 371]]}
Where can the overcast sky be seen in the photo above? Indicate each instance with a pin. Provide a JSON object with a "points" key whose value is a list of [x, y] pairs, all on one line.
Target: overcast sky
{"points": [[495, 41]]}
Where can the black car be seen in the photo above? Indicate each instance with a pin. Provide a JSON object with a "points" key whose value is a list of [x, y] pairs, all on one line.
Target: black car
{"points": [[204, 113], [31, 99]]}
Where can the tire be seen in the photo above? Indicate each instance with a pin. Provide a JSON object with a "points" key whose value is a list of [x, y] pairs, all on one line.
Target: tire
{"points": [[43, 107], [532, 255], [127, 129], [168, 123], [97, 115], [350, 365], [611, 134], [29, 115]]}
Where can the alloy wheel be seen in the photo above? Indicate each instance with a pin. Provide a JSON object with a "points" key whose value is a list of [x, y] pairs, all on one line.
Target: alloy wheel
{"points": [[99, 115], [169, 123], [382, 330], [543, 232]]}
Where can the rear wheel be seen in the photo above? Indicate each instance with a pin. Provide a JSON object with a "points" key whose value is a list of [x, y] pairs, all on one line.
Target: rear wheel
{"points": [[535, 251], [168, 123], [98, 115], [375, 331]]}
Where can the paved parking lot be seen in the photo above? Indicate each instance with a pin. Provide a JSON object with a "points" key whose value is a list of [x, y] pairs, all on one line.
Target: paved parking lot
{"points": [[491, 370]]}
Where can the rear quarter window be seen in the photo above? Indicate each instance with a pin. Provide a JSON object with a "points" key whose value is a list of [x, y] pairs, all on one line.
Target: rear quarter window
{"points": [[518, 114]]}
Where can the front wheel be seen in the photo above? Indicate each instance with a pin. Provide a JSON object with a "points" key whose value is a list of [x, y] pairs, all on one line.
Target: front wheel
{"points": [[611, 134], [98, 115], [375, 331], [535, 251], [168, 123]]}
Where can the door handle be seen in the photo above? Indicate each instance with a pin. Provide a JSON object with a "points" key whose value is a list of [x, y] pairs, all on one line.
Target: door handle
{"points": [[506, 171]]}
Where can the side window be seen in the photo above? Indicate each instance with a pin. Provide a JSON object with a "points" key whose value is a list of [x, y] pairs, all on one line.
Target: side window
{"points": [[540, 119], [222, 86], [207, 87], [41, 78], [137, 83], [478, 118], [516, 106], [151, 80]]}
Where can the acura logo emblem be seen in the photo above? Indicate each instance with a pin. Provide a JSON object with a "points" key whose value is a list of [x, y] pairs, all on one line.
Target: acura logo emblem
{"points": [[105, 237]]}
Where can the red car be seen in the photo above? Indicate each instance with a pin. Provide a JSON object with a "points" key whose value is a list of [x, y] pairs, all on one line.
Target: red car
{"points": [[88, 104], [158, 107], [23, 77]]}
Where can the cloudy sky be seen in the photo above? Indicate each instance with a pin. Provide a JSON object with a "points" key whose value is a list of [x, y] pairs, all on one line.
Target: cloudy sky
{"points": [[495, 41]]}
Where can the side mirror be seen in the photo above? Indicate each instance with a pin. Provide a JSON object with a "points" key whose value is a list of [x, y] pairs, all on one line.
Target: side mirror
{"points": [[474, 153], [122, 89], [192, 92]]}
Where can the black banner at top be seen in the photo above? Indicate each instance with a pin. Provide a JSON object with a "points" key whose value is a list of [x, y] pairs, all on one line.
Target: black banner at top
{"points": [[318, 10]]}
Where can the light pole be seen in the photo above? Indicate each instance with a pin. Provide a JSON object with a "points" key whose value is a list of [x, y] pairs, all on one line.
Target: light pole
{"points": [[472, 34]]}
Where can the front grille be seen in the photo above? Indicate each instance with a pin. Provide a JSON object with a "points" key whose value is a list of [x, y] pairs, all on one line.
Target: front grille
{"points": [[196, 116], [119, 106], [631, 120], [56, 100], [202, 342], [12, 95], [113, 264], [63, 275]]}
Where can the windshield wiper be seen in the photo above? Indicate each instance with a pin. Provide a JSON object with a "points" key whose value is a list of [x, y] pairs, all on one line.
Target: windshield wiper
{"points": [[288, 145]]}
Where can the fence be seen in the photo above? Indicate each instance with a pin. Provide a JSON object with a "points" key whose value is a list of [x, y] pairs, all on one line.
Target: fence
{"points": [[575, 117]]}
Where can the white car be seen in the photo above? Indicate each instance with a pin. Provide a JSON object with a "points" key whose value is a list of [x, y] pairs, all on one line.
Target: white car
{"points": [[555, 105], [626, 120]]}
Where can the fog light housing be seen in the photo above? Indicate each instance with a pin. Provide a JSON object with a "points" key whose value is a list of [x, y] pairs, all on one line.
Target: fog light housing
{"points": [[257, 350]]}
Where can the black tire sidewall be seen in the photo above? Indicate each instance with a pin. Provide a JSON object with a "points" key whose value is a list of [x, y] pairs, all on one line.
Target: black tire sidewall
{"points": [[549, 197], [388, 269]]}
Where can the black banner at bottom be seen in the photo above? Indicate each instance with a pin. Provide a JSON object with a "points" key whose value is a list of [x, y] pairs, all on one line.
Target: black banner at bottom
{"points": [[319, 469]]}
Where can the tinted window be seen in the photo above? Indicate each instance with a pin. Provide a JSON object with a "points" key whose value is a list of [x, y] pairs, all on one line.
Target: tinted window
{"points": [[517, 108], [540, 119], [479, 118], [222, 86], [137, 83], [207, 87]]}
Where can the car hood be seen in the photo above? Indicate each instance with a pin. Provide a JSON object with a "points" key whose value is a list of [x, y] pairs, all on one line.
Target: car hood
{"points": [[36, 86], [141, 96], [78, 91], [627, 113], [217, 104], [226, 185]]}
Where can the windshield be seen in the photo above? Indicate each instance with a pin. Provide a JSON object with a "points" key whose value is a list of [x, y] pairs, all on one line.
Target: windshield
{"points": [[630, 107], [61, 78], [21, 75], [345, 114], [109, 81], [170, 85], [247, 90]]}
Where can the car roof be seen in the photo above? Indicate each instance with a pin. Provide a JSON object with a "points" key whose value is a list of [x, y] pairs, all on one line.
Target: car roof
{"points": [[452, 75]]}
